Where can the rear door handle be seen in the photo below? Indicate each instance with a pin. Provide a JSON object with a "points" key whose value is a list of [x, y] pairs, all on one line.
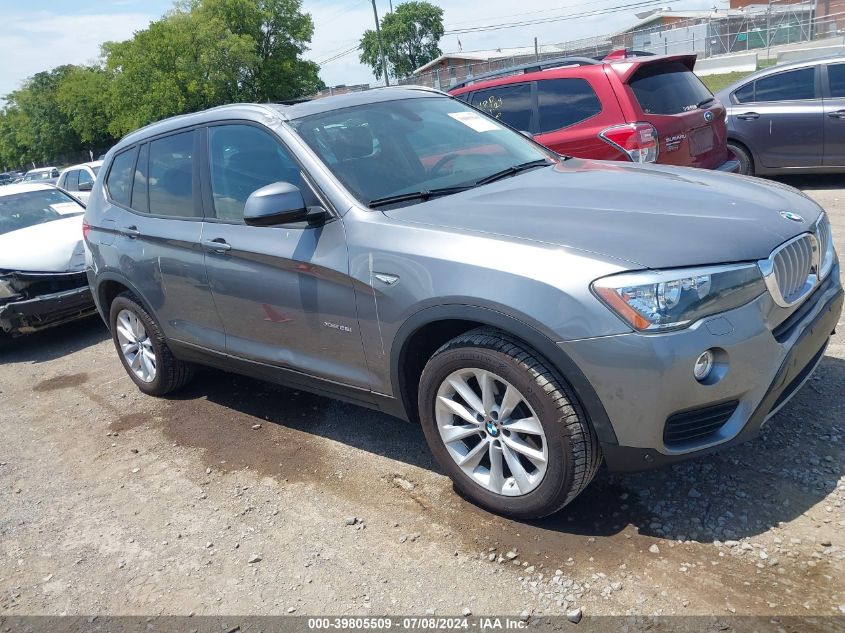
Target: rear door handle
{"points": [[218, 245], [838, 114], [748, 116], [131, 232]]}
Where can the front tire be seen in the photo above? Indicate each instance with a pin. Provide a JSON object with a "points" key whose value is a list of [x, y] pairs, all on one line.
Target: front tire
{"points": [[143, 350], [504, 427]]}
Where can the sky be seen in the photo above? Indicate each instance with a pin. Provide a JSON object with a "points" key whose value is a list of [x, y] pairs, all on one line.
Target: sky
{"points": [[41, 34]]}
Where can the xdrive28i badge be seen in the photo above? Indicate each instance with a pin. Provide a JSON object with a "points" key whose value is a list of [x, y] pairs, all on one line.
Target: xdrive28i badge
{"points": [[708, 116], [789, 215]]}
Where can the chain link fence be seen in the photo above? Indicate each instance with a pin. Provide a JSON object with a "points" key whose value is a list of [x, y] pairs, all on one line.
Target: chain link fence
{"points": [[708, 35]]}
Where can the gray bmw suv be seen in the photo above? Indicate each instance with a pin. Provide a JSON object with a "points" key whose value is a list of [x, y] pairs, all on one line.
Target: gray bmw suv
{"points": [[537, 314]]}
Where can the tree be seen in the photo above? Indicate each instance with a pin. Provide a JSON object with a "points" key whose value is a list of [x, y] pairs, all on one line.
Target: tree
{"points": [[82, 96], [410, 36]]}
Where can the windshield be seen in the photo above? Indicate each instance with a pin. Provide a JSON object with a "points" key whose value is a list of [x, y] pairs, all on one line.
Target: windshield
{"points": [[380, 150], [21, 210], [39, 175]]}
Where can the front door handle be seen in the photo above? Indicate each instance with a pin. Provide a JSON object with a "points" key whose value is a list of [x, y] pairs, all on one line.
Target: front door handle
{"points": [[131, 232], [218, 245], [838, 114], [748, 116]]}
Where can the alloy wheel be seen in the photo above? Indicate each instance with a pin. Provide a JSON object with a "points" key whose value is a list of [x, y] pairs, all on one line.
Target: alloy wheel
{"points": [[491, 432], [135, 345]]}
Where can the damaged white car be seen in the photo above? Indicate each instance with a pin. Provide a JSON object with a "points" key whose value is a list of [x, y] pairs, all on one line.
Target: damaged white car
{"points": [[42, 260]]}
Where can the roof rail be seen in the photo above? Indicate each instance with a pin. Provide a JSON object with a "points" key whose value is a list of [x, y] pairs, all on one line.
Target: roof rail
{"points": [[531, 67]]}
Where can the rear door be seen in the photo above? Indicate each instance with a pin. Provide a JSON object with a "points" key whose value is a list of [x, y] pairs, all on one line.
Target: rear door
{"points": [[781, 118], [690, 123], [158, 219], [834, 119], [571, 116]]}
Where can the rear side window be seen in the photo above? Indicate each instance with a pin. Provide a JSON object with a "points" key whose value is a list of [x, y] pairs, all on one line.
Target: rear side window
{"points": [[668, 88], [836, 77], [510, 104], [171, 176], [119, 181], [565, 102], [789, 86], [745, 94], [71, 181]]}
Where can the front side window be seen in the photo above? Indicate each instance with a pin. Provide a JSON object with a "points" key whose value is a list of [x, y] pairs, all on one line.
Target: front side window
{"points": [[243, 159], [171, 176], [22, 210], [379, 150], [85, 177], [119, 181], [565, 102], [836, 77], [510, 104], [794, 85]]}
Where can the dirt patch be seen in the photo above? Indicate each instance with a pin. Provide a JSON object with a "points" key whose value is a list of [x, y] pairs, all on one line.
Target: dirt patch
{"points": [[61, 382]]}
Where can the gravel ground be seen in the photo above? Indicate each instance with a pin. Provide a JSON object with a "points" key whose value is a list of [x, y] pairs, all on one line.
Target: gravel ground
{"points": [[237, 496]]}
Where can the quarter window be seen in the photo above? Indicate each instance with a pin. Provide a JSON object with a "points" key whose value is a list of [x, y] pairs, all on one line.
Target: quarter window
{"points": [[794, 85], [511, 104], [836, 77], [171, 176], [565, 102], [119, 181], [745, 94], [70, 181], [243, 159]]}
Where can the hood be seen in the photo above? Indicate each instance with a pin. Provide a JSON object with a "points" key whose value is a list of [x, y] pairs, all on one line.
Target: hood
{"points": [[651, 216], [49, 247]]}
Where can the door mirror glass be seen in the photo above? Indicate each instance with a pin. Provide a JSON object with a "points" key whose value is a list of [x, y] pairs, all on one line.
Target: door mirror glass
{"points": [[278, 203]]}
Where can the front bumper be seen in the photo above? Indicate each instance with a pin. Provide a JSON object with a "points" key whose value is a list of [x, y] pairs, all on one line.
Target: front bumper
{"points": [[644, 380], [45, 311]]}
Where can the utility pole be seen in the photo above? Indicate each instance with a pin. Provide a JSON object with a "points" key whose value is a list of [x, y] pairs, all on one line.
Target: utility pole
{"points": [[769, 31], [536, 51], [380, 47]]}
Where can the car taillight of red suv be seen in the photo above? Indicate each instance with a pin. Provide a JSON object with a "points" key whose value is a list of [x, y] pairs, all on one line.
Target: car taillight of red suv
{"points": [[640, 109]]}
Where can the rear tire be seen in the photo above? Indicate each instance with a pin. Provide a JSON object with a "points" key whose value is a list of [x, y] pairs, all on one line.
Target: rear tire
{"points": [[746, 161], [143, 350], [535, 456]]}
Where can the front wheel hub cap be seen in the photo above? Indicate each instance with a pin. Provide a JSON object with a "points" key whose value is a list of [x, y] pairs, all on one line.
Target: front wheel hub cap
{"points": [[491, 432]]}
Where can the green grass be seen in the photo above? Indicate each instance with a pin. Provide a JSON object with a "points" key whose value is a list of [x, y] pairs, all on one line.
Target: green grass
{"points": [[716, 82]]}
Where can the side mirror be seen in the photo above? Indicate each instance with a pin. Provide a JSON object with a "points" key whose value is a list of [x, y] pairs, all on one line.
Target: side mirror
{"points": [[278, 203], [86, 186]]}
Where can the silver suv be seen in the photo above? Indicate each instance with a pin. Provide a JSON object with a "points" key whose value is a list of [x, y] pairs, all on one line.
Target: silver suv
{"points": [[537, 314]]}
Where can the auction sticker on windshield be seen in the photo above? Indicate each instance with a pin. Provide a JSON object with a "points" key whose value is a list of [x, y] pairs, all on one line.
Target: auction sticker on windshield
{"points": [[475, 121]]}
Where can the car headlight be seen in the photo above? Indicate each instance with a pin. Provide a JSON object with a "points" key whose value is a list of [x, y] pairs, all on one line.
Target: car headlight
{"points": [[6, 289], [660, 300]]}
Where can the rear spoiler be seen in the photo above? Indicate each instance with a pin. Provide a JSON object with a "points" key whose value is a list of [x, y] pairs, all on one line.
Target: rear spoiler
{"points": [[626, 67]]}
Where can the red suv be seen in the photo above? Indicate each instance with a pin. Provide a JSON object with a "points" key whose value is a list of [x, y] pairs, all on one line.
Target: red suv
{"points": [[642, 109]]}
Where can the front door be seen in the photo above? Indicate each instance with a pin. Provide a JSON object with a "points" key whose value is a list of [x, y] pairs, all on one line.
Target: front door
{"points": [[283, 293], [781, 116], [834, 119]]}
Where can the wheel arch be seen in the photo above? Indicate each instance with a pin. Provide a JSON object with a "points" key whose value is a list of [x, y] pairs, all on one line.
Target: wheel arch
{"points": [[424, 332], [109, 286]]}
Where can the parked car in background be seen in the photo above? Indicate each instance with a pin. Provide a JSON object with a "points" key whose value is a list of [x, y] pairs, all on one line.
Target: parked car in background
{"points": [[78, 180], [789, 118], [399, 249], [643, 109], [7, 178], [42, 259], [47, 175]]}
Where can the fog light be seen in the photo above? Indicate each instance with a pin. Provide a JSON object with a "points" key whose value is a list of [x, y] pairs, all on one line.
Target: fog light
{"points": [[703, 365]]}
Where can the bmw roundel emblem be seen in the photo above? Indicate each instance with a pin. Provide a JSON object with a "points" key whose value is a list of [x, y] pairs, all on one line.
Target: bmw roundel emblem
{"points": [[708, 116], [789, 215]]}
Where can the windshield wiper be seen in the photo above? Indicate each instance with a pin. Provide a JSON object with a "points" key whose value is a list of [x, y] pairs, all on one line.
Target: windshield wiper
{"points": [[705, 102], [423, 194], [512, 171]]}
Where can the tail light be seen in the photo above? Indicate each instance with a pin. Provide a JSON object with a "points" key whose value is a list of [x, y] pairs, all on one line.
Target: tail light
{"points": [[637, 140], [86, 229]]}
